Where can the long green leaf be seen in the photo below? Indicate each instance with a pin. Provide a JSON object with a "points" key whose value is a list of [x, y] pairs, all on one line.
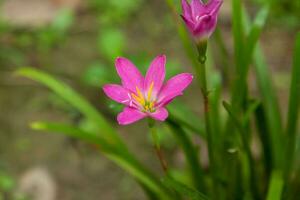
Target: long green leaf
{"points": [[293, 110], [191, 154], [122, 158], [275, 187], [76, 100], [184, 189], [254, 35], [251, 164], [238, 34], [269, 100]]}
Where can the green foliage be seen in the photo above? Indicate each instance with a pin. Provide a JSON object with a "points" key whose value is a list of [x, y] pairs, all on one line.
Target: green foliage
{"points": [[184, 189], [276, 186], [105, 136], [111, 43]]}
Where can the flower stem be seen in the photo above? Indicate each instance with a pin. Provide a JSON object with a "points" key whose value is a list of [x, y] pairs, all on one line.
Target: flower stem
{"points": [[201, 72], [157, 148]]}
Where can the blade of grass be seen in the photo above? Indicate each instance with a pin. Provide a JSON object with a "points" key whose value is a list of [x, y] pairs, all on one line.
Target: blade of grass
{"points": [[269, 100], [247, 149], [264, 136], [238, 34], [76, 100], [184, 189], [254, 34], [293, 109], [119, 156], [275, 187], [190, 154]]}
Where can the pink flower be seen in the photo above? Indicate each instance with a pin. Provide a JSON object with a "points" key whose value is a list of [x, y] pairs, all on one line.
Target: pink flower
{"points": [[200, 18], [145, 97]]}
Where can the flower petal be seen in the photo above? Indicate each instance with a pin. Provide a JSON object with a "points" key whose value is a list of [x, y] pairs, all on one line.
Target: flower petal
{"points": [[174, 87], [130, 115], [186, 9], [205, 26], [117, 93], [190, 24], [130, 75], [213, 6], [160, 114], [156, 74], [197, 8]]}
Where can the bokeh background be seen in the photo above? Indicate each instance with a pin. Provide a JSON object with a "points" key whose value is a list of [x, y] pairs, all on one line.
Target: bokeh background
{"points": [[77, 41]]}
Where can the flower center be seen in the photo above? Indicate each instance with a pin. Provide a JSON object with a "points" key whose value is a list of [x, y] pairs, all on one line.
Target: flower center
{"points": [[146, 103]]}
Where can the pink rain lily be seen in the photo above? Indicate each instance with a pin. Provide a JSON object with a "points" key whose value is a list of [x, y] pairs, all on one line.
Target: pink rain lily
{"points": [[200, 18], [145, 97]]}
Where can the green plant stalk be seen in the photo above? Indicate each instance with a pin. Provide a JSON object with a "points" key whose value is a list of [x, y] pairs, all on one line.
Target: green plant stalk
{"points": [[293, 111], [159, 153], [201, 73], [191, 155]]}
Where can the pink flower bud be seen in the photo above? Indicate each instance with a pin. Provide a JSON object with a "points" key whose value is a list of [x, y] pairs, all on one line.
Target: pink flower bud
{"points": [[200, 18]]}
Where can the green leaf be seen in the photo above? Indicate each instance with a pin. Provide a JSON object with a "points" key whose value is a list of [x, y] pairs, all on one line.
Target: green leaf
{"points": [[275, 186], [73, 132], [293, 109], [238, 34], [184, 189], [191, 154], [270, 102], [246, 146], [252, 107], [254, 35], [68, 94], [264, 136]]}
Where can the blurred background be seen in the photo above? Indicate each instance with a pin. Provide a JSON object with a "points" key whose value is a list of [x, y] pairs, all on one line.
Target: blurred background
{"points": [[77, 41]]}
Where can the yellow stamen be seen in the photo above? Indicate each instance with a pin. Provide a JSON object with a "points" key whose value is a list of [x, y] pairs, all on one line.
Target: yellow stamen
{"points": [[138, 99], [146, 104], [151, 105], [139, 93], [150, 91]]}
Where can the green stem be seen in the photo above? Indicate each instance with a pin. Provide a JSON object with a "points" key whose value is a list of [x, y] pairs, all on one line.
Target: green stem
{"points": [[201, 72], [158, 151]]}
